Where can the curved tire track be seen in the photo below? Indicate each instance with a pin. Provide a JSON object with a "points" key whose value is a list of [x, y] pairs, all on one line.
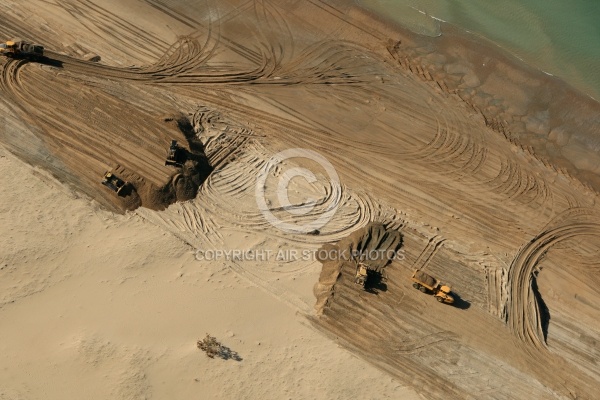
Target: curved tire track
{"points": [[523, 308]]}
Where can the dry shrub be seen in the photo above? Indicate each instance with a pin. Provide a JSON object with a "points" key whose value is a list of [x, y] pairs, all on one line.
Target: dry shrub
{"points": [[210, 346]]}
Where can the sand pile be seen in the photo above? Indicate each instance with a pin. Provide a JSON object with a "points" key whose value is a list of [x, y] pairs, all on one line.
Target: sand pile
{"points": [[375, 245], [183, 184]]}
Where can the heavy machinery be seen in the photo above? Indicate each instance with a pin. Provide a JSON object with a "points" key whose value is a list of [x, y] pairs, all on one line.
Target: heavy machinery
{"points": [[113, 182], [175, 155], [361, 274], [428, 284], [22, 49]]}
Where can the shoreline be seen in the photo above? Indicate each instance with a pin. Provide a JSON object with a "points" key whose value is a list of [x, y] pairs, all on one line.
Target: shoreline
{"points": [[584, 87], [466, 32], [549, 118]]}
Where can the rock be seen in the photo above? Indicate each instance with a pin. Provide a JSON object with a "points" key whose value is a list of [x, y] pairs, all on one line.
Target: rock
{"points": [[92, 57]]}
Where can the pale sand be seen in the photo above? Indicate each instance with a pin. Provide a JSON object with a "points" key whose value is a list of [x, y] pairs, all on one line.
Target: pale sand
{"points": [[101, 306]]}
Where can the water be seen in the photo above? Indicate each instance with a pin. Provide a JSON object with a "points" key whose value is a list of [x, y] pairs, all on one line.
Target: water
{"points": [[560, 37]]}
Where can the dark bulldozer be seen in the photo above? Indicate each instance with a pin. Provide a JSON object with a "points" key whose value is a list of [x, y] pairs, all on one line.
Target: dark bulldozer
{"points": [[176, 155]]}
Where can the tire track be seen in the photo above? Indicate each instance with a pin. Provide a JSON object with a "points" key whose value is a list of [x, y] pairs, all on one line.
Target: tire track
{"points": [[79, 123], [431, 248], [228, 194], [324, 141], [424, 342], [102, 22], [524, 316]]}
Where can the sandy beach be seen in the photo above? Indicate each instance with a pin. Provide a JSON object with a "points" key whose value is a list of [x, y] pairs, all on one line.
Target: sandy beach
{"points": [[302, 126]]}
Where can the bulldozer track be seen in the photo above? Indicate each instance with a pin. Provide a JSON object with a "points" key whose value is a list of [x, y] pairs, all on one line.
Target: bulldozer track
{"points": [[291, 128], [446, 149], [429, 251], [424, 342], [102, 21], [523, 309]]}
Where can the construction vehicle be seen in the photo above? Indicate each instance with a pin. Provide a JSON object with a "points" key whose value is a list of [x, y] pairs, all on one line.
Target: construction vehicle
{"points": [[22, 49], [113, 182], [361, 274], [175, 155], [428, 284]]}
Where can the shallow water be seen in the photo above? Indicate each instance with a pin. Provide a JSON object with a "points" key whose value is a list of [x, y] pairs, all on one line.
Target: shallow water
{"points": [[557, 36]]}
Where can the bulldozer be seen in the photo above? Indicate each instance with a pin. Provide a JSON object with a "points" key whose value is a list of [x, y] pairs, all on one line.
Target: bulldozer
{"points": [[21, 49], [428, 284], [361, 274], [175, 155], [113, 182]]}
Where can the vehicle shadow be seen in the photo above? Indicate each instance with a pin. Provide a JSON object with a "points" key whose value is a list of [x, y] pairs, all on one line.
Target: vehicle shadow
{"points": [[375, 282], [459, 302], [227, 354], [127, 190], [50, 62], [185, 126]]}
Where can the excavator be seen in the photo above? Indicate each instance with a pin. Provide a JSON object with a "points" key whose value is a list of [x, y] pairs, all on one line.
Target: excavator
{"points": [[175, 155], [21, 49]]}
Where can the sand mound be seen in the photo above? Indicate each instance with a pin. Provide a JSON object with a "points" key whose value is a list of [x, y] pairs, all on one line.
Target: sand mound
{"points": [[426, 279], [375, 245], [184, 181]]}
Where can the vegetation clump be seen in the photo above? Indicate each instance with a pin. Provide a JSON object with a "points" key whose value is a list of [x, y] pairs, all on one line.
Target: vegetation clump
{"points": [[210, 345]]}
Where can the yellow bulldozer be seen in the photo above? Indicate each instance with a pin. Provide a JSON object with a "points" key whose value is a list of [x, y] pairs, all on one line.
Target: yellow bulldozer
{"points": [[114, 183], [361, 276]]}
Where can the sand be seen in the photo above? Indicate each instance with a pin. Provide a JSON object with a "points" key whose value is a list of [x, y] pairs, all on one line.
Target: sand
{"points": [[97, 305], [486, 169]]}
